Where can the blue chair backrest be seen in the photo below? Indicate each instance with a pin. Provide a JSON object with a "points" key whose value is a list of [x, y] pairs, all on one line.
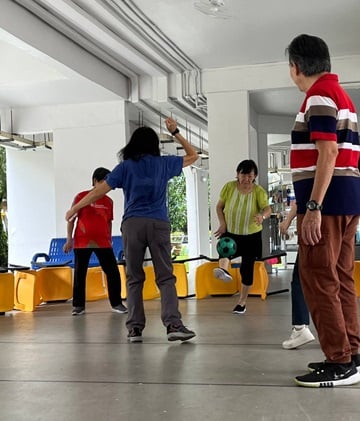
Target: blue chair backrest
{"points": [[118, 247], [56, 254]]}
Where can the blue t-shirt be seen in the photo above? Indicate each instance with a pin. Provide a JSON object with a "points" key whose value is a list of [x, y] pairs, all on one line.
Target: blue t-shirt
{"points": [[144, 183]]}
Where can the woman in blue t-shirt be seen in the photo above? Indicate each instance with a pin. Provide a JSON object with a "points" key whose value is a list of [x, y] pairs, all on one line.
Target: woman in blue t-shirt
{"points": [[143, 175]]}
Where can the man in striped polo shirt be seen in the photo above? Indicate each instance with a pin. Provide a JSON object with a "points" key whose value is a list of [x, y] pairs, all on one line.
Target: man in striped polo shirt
{"points": [[324, 163]]}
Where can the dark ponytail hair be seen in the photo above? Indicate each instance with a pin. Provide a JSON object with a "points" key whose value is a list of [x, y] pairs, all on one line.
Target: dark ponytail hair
{"points": [[144, 141]]}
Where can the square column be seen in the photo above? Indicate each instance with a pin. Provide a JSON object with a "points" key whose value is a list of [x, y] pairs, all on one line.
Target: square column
{"points": [[229, 142]]}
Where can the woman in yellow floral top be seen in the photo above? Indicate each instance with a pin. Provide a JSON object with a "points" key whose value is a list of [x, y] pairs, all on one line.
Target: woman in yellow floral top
{"points": [[241, 210]]}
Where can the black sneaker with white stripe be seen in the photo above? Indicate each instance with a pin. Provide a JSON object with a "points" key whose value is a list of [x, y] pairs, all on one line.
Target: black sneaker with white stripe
{"points": [[330, 375], [78, 311], [317, 365], [238, 309], [179, 333], [134, 335]]}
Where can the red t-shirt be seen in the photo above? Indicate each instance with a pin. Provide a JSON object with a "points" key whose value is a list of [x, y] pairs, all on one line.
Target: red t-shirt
{"points": [[93, 224]]}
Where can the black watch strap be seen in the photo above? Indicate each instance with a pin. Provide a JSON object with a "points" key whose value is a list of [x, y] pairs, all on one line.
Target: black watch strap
{"points": [[313, 205], [175, 132]]}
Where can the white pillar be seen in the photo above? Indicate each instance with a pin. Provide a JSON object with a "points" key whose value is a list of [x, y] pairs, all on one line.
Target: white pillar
{"points": [[229, 142], [197, 218]]}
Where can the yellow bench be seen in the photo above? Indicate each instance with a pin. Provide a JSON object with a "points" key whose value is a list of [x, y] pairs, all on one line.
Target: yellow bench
{"points": [[26, 292], [32, 287], [356, 276], [206, 283], [6, 292], [150, 289]]}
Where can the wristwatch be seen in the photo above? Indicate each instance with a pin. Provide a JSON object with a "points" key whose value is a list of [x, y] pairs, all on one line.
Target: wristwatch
{"points": [[313, 205]]}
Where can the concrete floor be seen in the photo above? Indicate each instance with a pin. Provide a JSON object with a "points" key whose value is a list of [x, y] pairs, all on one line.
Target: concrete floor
{"points": [[57, 367]]}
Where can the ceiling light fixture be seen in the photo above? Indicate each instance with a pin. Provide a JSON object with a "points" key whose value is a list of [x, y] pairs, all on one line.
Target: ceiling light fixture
{"points": [[212, 8]]}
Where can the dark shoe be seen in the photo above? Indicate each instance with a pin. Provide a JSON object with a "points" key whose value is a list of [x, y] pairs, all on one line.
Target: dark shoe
{"points": [[78, 311], [239, 309], [179, 333], [317, 365], [330, 375], [134, 335], [119, 309]]}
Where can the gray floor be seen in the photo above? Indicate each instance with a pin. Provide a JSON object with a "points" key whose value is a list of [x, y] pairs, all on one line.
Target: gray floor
{"points": [[57, 367]]}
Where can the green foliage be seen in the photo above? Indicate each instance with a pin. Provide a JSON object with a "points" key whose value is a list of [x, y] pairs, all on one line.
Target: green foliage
{"points": [[3, 247], [177, 204], [3, 234], [2, 174]]}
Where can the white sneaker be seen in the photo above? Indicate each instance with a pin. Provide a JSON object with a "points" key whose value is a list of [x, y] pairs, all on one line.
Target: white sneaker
{"points": [[298, 338], [222, 274]]}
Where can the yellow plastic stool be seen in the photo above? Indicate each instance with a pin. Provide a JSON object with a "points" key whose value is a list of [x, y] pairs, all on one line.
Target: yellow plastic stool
{"points": [[123, 281], [150, 290], [6, 292], [26, 292], [179, 270], [356, 276], [206, 283], [54, 283], [261, 280], [96, 286]]}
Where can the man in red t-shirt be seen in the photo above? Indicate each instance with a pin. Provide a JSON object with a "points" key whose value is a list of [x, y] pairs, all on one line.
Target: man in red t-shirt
{"points": [[93, 234]]}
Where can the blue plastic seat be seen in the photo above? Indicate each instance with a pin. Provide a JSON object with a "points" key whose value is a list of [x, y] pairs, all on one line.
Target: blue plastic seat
{"points": [[57, 257]]}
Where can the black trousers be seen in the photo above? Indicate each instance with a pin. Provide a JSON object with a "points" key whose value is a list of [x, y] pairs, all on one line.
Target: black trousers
{"points": [[108, 264], [249, 247]]}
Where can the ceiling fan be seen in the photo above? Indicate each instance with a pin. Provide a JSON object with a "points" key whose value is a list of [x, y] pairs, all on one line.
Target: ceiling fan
{"points": [[213, 8]]}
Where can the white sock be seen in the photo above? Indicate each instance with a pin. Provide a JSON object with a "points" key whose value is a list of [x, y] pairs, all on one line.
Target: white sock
{"points": [[299, 327]]}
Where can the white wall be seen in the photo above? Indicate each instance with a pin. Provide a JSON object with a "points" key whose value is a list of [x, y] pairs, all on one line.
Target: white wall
{"points": [[78, 151], [43, 183], [30, 198]]}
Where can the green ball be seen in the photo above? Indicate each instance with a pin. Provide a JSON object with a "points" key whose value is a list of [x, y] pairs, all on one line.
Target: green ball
{"points": [[226, 247]]}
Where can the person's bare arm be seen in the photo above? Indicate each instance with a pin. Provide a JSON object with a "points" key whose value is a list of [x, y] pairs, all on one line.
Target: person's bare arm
{"points": [[266, 212], [69, 237], [310, 227], [221, 217], [284, 225], [96, 193], [191, 154]]}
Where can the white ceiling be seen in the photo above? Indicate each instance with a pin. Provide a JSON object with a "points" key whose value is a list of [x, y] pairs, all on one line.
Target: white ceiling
{"points": [[258, 32], [30, 78]]}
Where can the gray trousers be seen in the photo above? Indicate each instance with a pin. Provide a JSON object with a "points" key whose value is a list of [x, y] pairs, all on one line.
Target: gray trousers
{"points": [[138, 234]]}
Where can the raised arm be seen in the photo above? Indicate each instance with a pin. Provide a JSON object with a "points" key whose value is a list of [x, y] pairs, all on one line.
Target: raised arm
{"points": [[191, 154]]}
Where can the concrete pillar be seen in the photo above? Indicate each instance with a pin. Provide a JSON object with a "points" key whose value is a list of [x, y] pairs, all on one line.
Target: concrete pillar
{"points": [[197, 217], [229, 142]]}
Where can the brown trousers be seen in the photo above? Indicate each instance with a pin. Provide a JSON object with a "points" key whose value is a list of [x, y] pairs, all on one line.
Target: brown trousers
{"points": [[326, 276]]}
